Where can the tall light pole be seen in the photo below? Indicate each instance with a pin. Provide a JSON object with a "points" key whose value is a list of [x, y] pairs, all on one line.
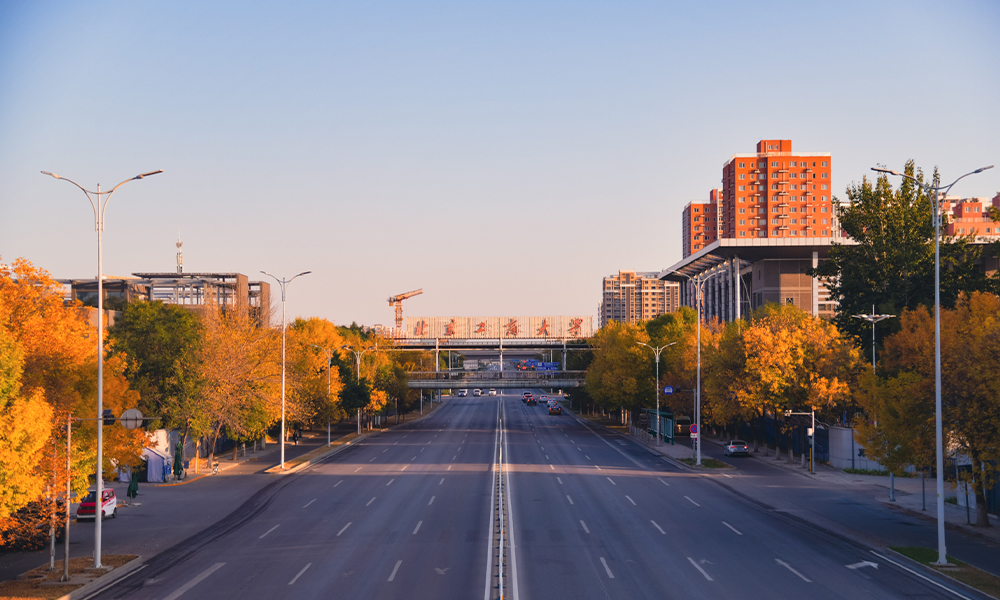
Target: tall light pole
{"points": [[873, 318], [699, 283], [100, 206], [357, 357], [329, 388], [656, 354], [283, 283], [933, 192]]}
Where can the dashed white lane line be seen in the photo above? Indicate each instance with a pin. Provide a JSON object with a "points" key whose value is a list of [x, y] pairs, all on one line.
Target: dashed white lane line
{"points": [[307, 503], [449, 468], [358, 469], [692, 501], [663, 482], [631, 500], [414, 458], [540, 447], [607, 568], [296, 578], [198, 579], [344, 528], [417, 528], [736, 531], [584, 526], [338, 483], [559, 479], [598, 468], [655, 524], [404, 467], [396, 568], [551, 467], [454, 457], [373, 458], [570, 499], [386, 450], [612, 481], [697, 566], [269, 531], [546, 457], [432, 500], [422, 449], [370, 501], [792, 569], [441, 482], [587, 457], [390, 482]]}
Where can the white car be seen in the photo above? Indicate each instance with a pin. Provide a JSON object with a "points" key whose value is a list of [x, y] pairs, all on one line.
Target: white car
{"points": [[477, 392], [463, 392], [493, 391]]}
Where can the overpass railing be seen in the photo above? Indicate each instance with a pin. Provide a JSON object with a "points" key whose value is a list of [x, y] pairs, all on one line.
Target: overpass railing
{"points": [[496, 375]]}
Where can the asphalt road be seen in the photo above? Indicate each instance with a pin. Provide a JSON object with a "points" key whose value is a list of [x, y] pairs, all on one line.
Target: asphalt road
{"points": [[407, 514]]}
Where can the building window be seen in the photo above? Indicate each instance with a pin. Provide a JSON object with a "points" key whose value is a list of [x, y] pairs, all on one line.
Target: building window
{"points": [[823, 163], [743, 188], [774, 164], [793, 209], [794, 221], [742, 221], [743, 176], [823, 209], [697, 210], [775, 232], [743, 210], [761, 165], [743, 165], [743, 234], [774, 209], [822, 176], [774, 221]]}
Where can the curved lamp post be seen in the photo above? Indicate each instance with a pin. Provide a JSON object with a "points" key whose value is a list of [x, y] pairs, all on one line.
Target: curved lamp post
{"points": [[699, 283], [357, 357], [934, 193], [284, 284], [656, 354], [100, 205]]}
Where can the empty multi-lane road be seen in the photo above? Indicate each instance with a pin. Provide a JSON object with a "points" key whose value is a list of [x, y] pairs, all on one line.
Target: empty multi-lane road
{"points": [[412, 513]]}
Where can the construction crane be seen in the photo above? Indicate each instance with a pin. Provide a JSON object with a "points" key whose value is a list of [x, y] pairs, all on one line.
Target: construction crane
{"points": [[398, 301]]}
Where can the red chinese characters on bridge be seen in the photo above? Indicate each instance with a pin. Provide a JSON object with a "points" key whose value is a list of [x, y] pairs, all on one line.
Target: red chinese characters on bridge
{"points": [[574, 327], [511, 328], [543, 331], [420, 328], [449, 328], [481, 327]]}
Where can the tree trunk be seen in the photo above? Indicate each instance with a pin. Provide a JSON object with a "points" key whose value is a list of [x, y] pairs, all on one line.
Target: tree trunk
{"points": [[791, 444], [211, 450], [979, 486]]}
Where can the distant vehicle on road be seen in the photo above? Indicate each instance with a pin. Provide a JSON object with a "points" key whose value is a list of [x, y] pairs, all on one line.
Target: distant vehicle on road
{"points": [[736, 447], [109, 507], [532, 402], [477, 392], [493, 392], [463, 392], [555, 409]]}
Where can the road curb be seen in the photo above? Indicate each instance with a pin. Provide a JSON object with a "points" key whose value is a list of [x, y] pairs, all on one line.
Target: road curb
{"points": [[104, 580], [932, 571], [669, 459], [966, 529]]}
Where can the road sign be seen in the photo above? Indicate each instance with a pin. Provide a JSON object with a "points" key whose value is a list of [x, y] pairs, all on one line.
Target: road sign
{"points": [[694, 436], [131, 418], [694, 428], [668, 390]]}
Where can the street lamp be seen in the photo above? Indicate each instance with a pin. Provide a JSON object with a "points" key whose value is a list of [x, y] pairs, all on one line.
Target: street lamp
{"points": [[699, 283], [357, 357], [812, 441], [656, 353], [938, 434], [283, 283], [873, 318], [329, 368], [99, 211]]}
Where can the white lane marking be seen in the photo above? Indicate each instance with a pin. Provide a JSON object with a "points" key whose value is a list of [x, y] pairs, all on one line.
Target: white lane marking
{"points": [[294, 579], [927, 579], [551, 467], [414, 458], [697, 566], [396, 568], [373, 458], [269, 531], [441, 482], [540, 447], [394, 443], [612, 481], [384, 451], [370, 501], [306, 506], [664, 482], [607, 568], [579, 448], [546, 457], [338, 483], [454, 457], [655, 524], [729, 476], [422, 449], [344, 528], [792, 569], [449, 468], [405, 436], [587, 457], [584, 526], [404, 467], [358, 469], [198, 579], [862, 564], [570, 499], [390, 482], [432, 500], [630, 499], [598, 468], [559, 479], [417, 528], [692, 501], [733, 528]]}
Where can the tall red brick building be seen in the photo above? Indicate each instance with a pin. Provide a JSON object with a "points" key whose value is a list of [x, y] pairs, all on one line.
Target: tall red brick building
{"points": [[777, 193], [701, 223]]}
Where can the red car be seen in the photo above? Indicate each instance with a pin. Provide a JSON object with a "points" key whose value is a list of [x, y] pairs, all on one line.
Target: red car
{"points": [[109, 507]]}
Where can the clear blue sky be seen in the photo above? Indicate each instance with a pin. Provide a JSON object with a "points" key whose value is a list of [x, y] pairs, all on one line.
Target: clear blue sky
{"points": [[503, 156]]}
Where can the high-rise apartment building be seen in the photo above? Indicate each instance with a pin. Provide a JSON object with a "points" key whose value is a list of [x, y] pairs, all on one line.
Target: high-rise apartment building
{"points": [[701, 223], [632, 297], [777, 193]]}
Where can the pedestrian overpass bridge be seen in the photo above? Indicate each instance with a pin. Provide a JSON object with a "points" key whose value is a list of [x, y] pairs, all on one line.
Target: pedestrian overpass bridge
{"points": [[455, 380]]}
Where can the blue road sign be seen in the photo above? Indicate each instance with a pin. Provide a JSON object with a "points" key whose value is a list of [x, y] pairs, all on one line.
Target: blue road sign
{"points": [[694, 428], [668, 390]]}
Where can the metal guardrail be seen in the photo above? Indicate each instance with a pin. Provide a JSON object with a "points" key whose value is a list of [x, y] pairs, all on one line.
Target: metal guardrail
{"points": [[527, 376]]}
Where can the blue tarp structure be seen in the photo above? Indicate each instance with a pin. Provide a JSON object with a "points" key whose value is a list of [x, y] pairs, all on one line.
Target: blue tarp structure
{"points": [[158, 465]]}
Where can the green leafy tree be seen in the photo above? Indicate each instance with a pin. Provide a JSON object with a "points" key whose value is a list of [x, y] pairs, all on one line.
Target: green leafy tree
{"points": [[621, 375]]}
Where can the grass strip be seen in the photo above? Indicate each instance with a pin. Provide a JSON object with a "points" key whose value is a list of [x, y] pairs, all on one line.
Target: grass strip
{"points": [[964, 572]]}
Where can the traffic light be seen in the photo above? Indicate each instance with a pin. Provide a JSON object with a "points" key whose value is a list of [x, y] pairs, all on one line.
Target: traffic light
{"points": [[109, 417]]}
